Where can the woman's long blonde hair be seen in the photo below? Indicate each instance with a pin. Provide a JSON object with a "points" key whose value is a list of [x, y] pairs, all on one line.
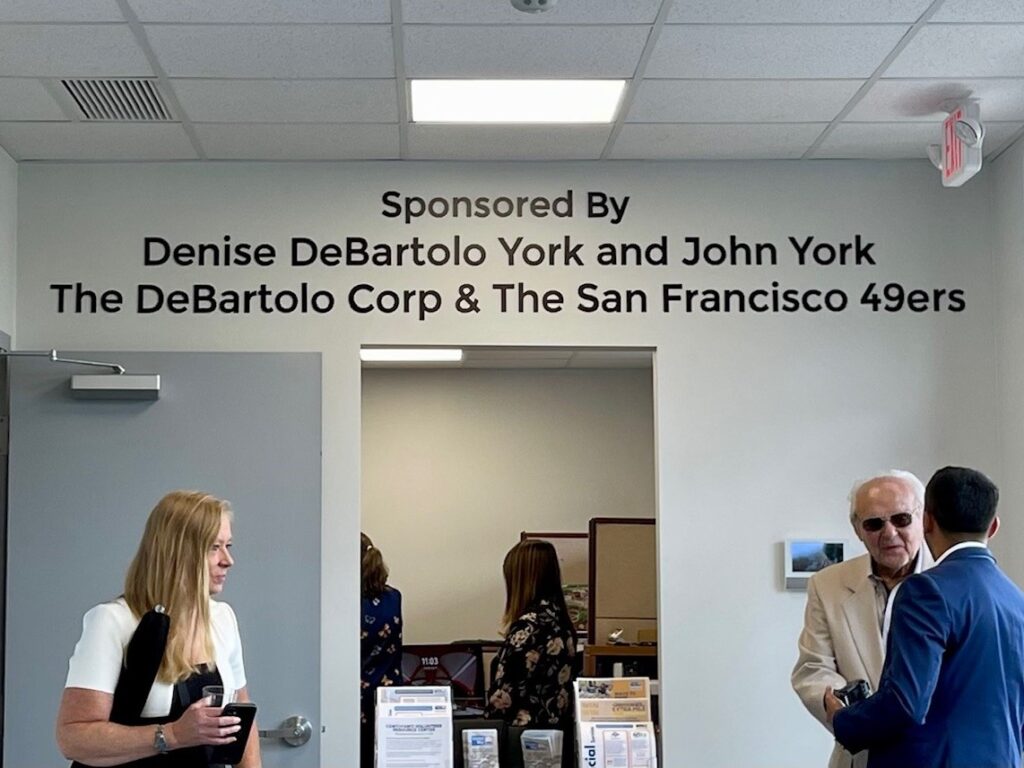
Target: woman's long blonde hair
{"points": [[171, 569]]}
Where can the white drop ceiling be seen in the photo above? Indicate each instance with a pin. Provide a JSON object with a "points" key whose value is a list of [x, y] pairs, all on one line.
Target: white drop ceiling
{"points": [[328, 79]]}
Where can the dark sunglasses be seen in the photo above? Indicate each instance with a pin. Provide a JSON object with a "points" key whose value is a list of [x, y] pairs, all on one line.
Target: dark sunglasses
{"points": [[899, 520]]}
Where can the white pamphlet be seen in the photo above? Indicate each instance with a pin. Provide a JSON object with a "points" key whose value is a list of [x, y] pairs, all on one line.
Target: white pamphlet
{"points": [[642, 753], [541, 748], [396, 693], [414, 728], [615, 748], [480, 748], [613, 699]]}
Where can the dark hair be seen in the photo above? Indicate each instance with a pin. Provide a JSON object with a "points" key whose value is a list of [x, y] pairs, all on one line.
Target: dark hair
{"points": [[961, 500], [374, 572], [532, 574]]}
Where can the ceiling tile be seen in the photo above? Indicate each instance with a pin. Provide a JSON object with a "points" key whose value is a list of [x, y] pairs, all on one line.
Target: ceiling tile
{"points": [[501, 142], [981, 11], [612, 358], [1011, 141], [96, 141], [298, 142], [784, 51], [59, 10], [962, 50], [515, 358], [523, 52], [263, 11], [1001, 99], [715, 142], [66, 50], [307, 79], [502, 12], [740, 101], [27, 99], [284, 101], [539, 363], [796, 11], [891, 141], [273, 51]]}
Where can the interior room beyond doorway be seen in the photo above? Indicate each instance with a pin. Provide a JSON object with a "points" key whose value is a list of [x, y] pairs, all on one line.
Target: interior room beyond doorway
{"points": [[458, 459]]}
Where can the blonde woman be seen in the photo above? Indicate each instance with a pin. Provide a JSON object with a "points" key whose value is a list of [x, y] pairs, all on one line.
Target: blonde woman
{"points": [[535, 667], [182, 562]]}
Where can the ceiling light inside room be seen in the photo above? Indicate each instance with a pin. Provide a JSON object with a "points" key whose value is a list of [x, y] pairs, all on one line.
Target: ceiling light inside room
{"points": [[515, 101], [410, 355]]}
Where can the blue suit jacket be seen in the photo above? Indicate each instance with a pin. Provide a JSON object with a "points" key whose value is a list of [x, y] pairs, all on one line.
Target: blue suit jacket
{"points": [[951, 693]]}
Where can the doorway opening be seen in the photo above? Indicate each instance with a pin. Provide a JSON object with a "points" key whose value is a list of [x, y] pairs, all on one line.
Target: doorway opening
{"points": [[5, 407], [462, 459]]}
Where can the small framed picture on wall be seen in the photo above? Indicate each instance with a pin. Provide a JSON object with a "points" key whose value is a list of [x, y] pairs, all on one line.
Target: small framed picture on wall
{"points": [[805, 557]]}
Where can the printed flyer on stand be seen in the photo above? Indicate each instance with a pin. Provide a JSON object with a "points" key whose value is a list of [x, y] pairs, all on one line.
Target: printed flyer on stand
{"points": [[614, 723], [414, 727]]}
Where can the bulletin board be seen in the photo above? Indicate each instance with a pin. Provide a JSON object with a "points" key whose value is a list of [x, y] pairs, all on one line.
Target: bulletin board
{"points": [[623, 577], [573, 551]]}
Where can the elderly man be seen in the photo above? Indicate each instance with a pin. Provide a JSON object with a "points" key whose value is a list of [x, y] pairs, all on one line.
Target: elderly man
{"points": [[846, 613], [952, 689]]}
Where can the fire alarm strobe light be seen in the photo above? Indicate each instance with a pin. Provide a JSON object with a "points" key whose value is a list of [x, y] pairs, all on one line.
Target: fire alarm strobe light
{"points": [[962, 137]]}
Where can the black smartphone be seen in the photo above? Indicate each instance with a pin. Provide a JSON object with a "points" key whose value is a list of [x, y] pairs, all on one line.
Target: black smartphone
{"points": [[231, 754]]}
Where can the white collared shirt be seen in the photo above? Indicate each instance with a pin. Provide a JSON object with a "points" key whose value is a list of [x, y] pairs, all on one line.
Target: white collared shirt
{"points": [[887, 616], [961, 545], [892, 595]]}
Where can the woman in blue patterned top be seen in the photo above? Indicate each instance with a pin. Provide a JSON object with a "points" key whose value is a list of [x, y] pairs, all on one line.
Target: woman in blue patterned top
{"points": [[534, 670], [380, 638]]}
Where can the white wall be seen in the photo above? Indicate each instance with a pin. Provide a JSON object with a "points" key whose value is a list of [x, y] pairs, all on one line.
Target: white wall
{"points": [[456, 463], [762, 421], [8, 241], [1008, 205]]}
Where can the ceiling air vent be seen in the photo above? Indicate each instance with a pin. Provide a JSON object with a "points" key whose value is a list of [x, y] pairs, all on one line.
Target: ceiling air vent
{"points": [[119, 100]]}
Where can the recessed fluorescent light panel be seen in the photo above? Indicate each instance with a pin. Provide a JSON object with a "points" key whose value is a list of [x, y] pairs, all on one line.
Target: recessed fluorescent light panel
{"points": [[410, 355], [515, 101]]}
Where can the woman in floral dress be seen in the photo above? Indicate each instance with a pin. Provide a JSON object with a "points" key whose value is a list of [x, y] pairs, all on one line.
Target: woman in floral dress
{"points": [[534, 670], [380, 639]]}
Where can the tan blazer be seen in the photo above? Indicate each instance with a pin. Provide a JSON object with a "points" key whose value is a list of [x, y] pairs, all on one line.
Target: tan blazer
{"points": [[841, 640]]}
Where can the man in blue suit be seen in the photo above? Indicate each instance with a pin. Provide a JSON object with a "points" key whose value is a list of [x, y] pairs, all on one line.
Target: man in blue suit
{"points": [[951, 693]]}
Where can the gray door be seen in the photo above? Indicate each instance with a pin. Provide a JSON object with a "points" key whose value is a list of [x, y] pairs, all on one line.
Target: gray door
{"points": [[85, 474]]}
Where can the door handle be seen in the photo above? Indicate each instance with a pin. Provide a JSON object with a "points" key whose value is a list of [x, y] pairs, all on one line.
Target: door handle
{"points": [[295, 731]]}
